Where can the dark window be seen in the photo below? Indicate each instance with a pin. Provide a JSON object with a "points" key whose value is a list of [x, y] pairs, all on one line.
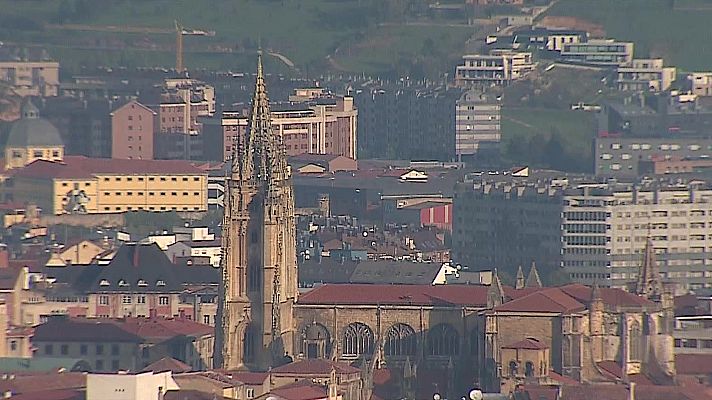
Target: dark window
{"points": [[49, 349], [99, 349], [513, 368], [114, 365], [400, 341], [144, 352], [358, 340], [114, 349], [83, 349], [443, 341], [64, 349], [529, 369], [99, 365]]}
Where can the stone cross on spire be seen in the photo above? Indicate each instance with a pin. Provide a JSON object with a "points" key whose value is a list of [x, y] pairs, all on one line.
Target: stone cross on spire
{"points": [[649, 282]]}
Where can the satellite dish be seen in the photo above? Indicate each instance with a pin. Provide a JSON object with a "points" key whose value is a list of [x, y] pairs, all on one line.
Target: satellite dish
{"points": [[475, 394]]}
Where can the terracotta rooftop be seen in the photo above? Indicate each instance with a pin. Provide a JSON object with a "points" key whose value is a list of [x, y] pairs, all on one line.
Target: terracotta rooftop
{"points": [[80, 167], [527, 344], [315, 366], [162, 328], [58, 394], [302, 390], [693, 364], [615, 371], [610, 296], [622, 392], [248, 377], [550, 300], [63, 329], [44, 382], [427, 295], [168, 364]]}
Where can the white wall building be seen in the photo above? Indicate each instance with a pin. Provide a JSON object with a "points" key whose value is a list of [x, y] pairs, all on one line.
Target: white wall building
{"points": [[124, 386]]}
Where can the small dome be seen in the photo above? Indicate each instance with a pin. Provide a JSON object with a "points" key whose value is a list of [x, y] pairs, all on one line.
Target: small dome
{"points": [[31, 130]]}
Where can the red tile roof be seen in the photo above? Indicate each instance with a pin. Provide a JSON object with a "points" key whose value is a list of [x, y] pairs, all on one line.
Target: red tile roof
{"points": [[615, 371], [44, 382], [642, 392], [163, 328], [539, 392], [62, 329], [461, 295], [551, 300], [315, 366], [247, 377], [614, 297], [80, 167], [562, 379], [168, 364], [527, 344], [58, 394], [693, 364], [302, 390]]}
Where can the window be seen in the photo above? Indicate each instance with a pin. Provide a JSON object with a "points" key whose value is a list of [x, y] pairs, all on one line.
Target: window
{"points": [[13, 345], [163, 300], [99, 365], [513, 368], [358, 340], [141, 299], [83, 349], [250, 393], [16, 154], [443, 341], [64, 349], [400, 341], [37, 153], [529, 369], [55, 154], [248, 344], [104, 300], [99, 349], [49, 349], [145, 353], [126, 299], [114, 349]]}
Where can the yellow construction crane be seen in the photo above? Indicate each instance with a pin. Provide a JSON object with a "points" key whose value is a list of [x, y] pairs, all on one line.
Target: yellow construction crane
{"points": [[180, 32]]}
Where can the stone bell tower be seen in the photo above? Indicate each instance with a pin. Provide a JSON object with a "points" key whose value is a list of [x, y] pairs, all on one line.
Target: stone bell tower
{"points": [[259, 264]]}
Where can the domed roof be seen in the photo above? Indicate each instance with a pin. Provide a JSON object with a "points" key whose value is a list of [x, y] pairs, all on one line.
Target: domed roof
{"points": [[31, 130]]}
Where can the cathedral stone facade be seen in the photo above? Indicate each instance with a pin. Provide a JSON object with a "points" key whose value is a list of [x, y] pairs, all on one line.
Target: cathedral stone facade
{"points": [[259, 264], [495, 336]]}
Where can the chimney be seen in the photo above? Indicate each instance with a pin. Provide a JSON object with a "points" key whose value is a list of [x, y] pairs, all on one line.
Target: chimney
{"points": [[135, 254]]}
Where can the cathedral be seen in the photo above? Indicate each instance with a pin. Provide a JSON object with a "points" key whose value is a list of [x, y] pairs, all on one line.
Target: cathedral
{"points": [[259, 285], [496, 337]]}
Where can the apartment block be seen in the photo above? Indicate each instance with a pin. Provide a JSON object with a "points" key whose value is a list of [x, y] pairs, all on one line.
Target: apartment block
{"points": [[477, 125], [701, 83], [599, 52], [326, 126], [132, 130], [596, 232], [622, 156], [499, 68], [549, 39], [183, 101], [31, 78], [646, 75]]}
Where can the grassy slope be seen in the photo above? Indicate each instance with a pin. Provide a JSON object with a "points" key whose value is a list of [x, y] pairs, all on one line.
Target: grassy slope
{"points": [[678, 33], [305, 31]]}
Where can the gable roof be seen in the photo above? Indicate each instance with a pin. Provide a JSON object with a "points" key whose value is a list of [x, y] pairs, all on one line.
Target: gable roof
{"points": [[426, 295], [610, 296], [551, 300], [315, 366], [168, 364], [527, 344], [163, 328], [396, 272], [138, 267], [62, 329], [80, 167], [301, 390]]}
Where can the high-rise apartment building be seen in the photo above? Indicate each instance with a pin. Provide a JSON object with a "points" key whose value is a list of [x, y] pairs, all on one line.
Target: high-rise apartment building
{"points": [[596, 232], [132, 129], [477, 126]]}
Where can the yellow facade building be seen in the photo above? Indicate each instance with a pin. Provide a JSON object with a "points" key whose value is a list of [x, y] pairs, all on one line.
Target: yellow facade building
{"points": [[93, 185]]}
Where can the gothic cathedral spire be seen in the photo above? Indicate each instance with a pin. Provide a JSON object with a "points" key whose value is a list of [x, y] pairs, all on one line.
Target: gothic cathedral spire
{"points": [[649, 282], [259, 285]]}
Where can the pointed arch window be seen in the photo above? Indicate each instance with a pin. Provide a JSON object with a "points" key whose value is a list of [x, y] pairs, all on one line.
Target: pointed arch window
{"points": [[400, 341], [529, 369], [443, 340], [358, 340], [316, 341], [248, 344]]}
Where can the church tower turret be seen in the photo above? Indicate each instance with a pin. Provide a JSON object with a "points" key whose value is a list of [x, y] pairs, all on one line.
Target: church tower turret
{"points": [[259, 267]]}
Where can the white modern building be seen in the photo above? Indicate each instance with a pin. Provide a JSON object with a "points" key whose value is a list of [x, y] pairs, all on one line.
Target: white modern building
{"points": [[477, 125], [498, 68], [647, 75]]}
